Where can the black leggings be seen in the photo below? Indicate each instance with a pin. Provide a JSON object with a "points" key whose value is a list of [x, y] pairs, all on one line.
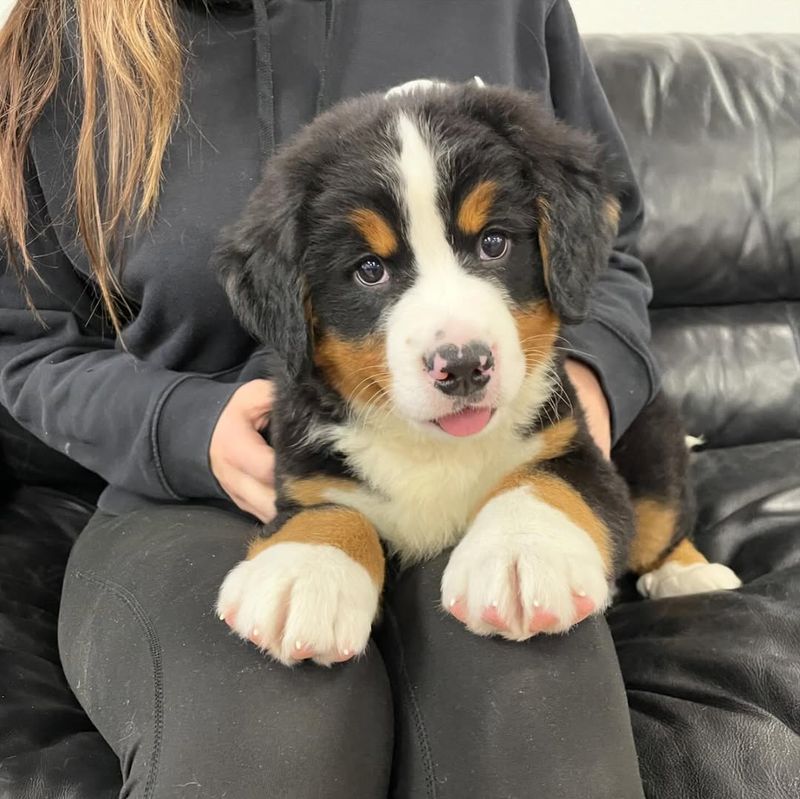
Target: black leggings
{"points": [[431, 710]]}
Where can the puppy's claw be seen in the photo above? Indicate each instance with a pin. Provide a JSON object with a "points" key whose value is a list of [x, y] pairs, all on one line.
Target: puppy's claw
{"points": [[302, 651], [458, 609], [344, 656], [584, 606]]}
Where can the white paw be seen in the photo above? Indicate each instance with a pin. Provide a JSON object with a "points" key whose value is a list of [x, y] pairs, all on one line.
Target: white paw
{"points": [[678, 579], [523, 568], [299, 601]]}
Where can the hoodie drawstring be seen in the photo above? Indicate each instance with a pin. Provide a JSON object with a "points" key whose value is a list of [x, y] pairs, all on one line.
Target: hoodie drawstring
{"points": [[265, 74], [330, 10]]}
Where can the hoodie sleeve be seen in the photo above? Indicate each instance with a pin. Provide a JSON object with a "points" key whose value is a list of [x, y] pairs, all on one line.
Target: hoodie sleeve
{"points": [[614, 340], [66, 379]]}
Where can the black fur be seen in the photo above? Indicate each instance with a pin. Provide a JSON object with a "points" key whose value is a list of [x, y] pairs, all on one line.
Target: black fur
{"points": [[654, 461]]}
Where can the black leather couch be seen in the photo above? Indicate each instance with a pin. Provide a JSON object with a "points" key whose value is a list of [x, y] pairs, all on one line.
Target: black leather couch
{"points": [[713, 681]]}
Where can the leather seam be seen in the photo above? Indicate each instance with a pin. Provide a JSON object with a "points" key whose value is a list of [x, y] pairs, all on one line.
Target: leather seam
{"points": [[154, 646], [416, 713]]}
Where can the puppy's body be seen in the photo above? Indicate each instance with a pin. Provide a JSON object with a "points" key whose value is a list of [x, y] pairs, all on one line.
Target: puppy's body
{"points": [[411, 259], [420, 497]]}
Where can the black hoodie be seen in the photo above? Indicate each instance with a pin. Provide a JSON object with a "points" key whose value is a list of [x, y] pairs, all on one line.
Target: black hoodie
{"points": [[142, 417]]}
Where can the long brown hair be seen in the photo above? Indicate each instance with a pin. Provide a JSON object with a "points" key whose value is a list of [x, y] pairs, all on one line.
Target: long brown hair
{"points": [[130, 64]]}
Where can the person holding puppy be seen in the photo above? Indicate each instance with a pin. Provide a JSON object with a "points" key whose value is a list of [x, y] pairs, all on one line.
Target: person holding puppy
{"points": [[130, 134]]}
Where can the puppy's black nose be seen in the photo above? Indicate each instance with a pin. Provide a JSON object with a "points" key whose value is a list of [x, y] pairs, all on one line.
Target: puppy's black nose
{"points": [[461, 371]]}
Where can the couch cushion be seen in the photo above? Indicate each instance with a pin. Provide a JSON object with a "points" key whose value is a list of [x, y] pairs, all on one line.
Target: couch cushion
{"points": [[713, 128], [712, 683], [48, 747], [734, 369], [749, 509], [26, 460], [713, 680]]}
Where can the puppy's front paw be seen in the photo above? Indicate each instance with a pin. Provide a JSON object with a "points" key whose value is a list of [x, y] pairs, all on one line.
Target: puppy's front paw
{"points": [[300, 601], [524, 568]]}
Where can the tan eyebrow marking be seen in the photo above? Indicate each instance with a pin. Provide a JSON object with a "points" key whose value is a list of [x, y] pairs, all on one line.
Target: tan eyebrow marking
{"points": [[475, 208], [377, 232]]}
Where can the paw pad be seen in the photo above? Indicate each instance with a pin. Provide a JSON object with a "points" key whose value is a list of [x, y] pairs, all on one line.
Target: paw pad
{"points": [[542, 621], [492, 616]]}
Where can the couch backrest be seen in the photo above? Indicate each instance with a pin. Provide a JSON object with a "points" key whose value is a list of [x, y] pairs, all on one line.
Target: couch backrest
{"points": [[713, 127]]}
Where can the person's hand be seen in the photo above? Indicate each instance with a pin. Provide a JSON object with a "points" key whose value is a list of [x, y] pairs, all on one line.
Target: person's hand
{"points": [[594, 404], [242, 462]]}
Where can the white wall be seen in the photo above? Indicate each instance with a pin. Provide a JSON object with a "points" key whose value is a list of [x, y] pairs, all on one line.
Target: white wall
{"points": [[5, 7], [693, 16], [667, 16]]}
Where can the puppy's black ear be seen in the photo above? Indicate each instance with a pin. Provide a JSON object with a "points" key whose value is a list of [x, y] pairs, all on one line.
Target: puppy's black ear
{"points": [[577, 223], [258, 261], [577, 212]]}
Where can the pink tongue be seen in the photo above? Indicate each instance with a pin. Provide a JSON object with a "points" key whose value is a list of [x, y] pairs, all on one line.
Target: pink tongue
{"points": [[466, 423]]}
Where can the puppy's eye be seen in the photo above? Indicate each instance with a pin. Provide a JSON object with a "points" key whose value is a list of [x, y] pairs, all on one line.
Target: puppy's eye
{"points": [[493, 245], [371, 272]]}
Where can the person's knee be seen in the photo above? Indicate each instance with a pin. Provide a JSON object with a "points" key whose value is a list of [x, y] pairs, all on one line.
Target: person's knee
{"points": [[270, 731], [543, 692], [182, 700]]}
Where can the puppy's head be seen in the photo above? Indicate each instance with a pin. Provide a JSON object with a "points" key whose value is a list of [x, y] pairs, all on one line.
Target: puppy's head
{"points": [[420, 250]]}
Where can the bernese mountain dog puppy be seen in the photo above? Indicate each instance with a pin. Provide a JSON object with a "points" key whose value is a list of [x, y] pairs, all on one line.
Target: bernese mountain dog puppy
{"points": [[410, 258]]}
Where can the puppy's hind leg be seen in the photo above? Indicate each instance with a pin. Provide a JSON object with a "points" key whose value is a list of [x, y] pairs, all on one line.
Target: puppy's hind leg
{"points": [[685, 570], [653, 459]]}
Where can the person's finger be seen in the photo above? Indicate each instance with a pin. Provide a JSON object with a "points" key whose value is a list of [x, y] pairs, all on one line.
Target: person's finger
{"points": [[256, 398], [255, 457], [254, 497]]}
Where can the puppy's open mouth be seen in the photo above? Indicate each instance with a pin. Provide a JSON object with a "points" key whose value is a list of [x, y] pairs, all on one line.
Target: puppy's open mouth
{"points": [[465, 423]]}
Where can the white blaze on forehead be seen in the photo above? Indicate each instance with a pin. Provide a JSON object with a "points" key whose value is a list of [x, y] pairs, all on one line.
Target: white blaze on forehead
{"points": [[419, 185], [446, 303]]}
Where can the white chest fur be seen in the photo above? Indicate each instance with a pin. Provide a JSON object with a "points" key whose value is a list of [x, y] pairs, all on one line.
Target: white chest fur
{"points": [[420, 490]]}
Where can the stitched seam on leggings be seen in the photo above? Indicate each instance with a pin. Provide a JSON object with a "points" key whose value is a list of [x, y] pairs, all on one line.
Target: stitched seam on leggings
{"points": [[419, 724], [133, 605]]}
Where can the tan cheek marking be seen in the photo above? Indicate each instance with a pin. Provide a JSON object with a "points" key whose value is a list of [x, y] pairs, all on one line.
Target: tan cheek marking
{"points": [[537, 328], [611, 211], [338, 527], [356, 369], [562, 496], [376, 231], [656, 523], [557, 439], [309, 491], [474, 211]]}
